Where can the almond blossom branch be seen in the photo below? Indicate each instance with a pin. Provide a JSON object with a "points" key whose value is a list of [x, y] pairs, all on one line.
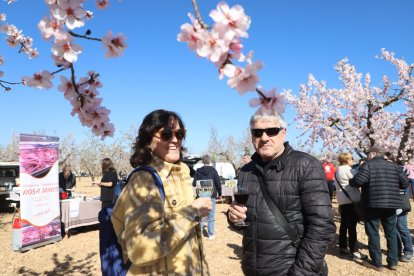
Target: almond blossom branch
{"points": [[198, 15], [396, 97], [409, 122], [80, 97], [84, 36], [60, 70], [2, 81]]}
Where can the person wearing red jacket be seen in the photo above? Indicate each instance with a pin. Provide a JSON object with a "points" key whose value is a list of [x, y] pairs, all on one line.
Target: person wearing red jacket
{"points": [[330, 171]]}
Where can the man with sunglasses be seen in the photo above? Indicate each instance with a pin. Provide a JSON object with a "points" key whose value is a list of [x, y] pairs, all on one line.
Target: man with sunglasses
{"points": [[296, 184]]}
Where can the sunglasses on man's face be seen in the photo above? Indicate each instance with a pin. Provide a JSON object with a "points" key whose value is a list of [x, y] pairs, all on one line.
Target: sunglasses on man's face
{"points": [[271, 132], [166, 134]]}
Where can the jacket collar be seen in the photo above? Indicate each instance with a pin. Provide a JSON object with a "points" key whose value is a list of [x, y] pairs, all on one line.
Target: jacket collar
{"points": [[278, 163], [165, 168]]}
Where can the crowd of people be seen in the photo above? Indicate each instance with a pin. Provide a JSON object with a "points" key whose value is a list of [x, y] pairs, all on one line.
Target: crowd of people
{"points": [[289, 214], [381, 187]]}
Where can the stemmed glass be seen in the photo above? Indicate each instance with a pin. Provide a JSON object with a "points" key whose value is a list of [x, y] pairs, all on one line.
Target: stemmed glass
{"points": [[241, 195], [204, 188]]}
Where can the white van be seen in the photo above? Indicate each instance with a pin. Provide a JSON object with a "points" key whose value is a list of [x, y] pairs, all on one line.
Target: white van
{"points": [[224, 169], [9, 171]]}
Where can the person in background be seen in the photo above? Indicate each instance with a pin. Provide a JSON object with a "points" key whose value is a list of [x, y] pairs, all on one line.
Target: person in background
{"points": [[209, 172], [108, 182], [330, 171], [380, 182], [347, 211], [67, 180], [404, 240], [410, 169], [296, 184], [245, 159], [161, 238]]}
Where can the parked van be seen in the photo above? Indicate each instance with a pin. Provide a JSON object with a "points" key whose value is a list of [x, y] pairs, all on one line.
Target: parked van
{"points": [[9, 171], [224, 169]]}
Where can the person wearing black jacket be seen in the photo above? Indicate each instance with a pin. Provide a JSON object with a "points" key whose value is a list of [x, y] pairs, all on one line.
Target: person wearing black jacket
{"points": [[296, 184], [209, 172], [380, 182], [108, 182]]}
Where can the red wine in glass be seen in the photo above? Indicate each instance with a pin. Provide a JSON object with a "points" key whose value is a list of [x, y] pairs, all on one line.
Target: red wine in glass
{"points": [[241, 195], [241, 198]]}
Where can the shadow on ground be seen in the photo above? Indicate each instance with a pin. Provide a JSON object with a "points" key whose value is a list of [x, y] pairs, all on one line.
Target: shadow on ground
{"points": [[69, 266]]}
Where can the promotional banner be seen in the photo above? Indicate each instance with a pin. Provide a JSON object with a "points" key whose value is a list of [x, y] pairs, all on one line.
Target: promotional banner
{"points": [[39, 194]]}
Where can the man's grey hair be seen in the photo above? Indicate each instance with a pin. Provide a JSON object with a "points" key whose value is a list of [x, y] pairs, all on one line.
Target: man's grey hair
{"points": [[277, 118]]}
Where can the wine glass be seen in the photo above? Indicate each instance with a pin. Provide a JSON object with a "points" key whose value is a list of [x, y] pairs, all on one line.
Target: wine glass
{"points": [[241, 195], [204, 188]]}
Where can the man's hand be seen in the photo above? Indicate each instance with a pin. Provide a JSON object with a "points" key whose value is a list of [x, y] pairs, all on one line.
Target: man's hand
{"points": [[203, 205], [237, 212]]}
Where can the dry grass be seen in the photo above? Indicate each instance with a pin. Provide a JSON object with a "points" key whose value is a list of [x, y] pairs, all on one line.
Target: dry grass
{"points": [[79, 253]]}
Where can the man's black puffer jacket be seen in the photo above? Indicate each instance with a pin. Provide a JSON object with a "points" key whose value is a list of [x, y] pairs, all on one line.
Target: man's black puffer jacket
{"points": [[296, 183], [381, 181]]}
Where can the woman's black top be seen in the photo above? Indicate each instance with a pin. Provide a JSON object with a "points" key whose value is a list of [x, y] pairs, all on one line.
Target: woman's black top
{"points": [[107, 193], [68, 183]]}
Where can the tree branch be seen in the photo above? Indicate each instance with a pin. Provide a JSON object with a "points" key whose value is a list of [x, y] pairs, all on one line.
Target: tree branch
{"points": [[60, 70], [198, 15], [80, 98], [396, 97], [404, 138], [84, 36]]}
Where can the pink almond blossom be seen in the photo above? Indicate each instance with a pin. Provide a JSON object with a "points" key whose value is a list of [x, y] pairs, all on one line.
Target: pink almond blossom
{"points": [[64, 48], [191, 33], [234, 18], [214, 44], [39, 80], [243, 79], [71, 12], [269, 102], [51, 27], [115, 45]]}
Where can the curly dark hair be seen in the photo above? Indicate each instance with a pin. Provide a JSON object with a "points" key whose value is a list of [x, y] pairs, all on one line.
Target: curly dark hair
{"points": [[153, 122]]}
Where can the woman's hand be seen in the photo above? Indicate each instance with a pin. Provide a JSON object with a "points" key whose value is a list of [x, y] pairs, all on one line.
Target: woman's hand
{"points": [[237, 212], [203, 205]]}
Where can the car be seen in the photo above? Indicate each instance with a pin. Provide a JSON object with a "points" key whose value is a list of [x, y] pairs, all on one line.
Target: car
{"points": [[9, 171]]}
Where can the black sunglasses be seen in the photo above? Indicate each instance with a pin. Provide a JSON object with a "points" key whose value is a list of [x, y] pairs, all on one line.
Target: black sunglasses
{"points": [[273, 131], [166, 134]]}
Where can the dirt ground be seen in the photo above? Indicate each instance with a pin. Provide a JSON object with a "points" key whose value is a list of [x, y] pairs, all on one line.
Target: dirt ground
{"points": [[79, 253]]}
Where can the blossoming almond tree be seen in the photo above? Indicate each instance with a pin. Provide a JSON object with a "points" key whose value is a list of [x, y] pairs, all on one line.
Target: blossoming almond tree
{"points": [[58, 27], [359, 115]]}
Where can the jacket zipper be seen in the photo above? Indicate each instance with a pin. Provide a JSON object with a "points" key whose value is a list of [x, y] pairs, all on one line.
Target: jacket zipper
{"points": [[255, 234]]}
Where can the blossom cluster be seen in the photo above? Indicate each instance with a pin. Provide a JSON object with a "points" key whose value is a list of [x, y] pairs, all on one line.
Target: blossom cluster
{"points": [[222, 45], [86, 104], [15, 38], [64, 17]]}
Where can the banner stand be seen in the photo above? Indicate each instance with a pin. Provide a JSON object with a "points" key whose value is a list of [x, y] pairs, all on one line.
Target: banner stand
{"points": [[39, 223]]}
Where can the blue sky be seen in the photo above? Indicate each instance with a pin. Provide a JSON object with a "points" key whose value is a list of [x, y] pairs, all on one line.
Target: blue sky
{"points": [[292, 38]]}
